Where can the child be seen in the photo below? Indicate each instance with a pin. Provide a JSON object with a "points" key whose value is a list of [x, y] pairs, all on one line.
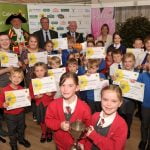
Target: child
{"points": [[15, 118], [117, 43], [138, 43], [92, 68], [42, 101], [90, 44], [100, 44], [117, 62], [72, 66], [145, 122], [128, 107], [65, 53], [89, 37], [54, 62], [108, 130], [49, 47], [63, 111]]}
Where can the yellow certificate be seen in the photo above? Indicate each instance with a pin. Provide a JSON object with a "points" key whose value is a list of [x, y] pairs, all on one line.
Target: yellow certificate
{"points": [[56, 73], [17, 99], [8, 59], [43, 85], [37, 57], [89, 82], [133, 90], [60, 43], [135, 51], [95, 52]]}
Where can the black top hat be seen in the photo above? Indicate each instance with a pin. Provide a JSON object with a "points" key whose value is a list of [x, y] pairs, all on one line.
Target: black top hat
{"points": [[12, 16]]}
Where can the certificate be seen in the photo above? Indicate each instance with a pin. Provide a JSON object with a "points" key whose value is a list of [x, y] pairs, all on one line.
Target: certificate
{"points": [[89, 82], [56, 73], [135, 51], [95, 52], [9, 59], [133, 90], [43, 85], [60, 43], [17, 99], [97, 92], [125, 74], [57, 55], [37, 57]]}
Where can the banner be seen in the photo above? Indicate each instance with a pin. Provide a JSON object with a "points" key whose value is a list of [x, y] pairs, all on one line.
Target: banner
{"points": [[59, 16], [102, 16], [7, 9]]}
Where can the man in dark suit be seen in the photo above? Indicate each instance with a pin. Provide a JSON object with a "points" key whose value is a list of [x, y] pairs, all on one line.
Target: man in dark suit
{"points": [[72, 32], [45, 34]]}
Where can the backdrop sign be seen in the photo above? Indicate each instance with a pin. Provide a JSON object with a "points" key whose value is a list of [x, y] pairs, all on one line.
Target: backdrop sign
{"points": [[59, 16], [8, 9], [101, 16]]}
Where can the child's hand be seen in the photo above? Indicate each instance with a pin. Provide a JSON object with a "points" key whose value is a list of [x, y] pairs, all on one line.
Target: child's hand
{"points": [[9, 69], [5, 105], [101, 79], [133, 81], [65, 125], [49, 94], [59, 50], [20, 64], [90, 130], [88, 74], [113, 78], [39, 96]]}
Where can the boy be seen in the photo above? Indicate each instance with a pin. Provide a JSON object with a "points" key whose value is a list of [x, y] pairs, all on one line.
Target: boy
{"points": [[138, 43], [54, 62], [15, 118], [117, 62]]}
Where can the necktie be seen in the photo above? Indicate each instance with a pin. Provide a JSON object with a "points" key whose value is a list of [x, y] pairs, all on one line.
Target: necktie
{"points": [[73, 34], [119, 66], [68, 109], [144, 60], [46, 36], [101, 123]]}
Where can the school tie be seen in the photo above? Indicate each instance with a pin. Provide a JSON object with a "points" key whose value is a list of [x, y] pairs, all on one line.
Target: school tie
{"points": [[68, 109], [102, 121], [46, 36], [144, 61], [119, 66]]}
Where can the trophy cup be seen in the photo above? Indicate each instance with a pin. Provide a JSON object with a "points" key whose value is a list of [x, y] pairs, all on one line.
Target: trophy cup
{"points": [[77, 129]]}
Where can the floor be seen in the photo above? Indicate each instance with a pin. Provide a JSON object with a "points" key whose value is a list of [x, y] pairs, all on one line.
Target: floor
{"points": [[33, 134]]}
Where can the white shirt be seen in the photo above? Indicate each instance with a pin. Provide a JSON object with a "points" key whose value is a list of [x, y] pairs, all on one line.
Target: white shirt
{"points": [[19, 32], [117, 46], [114, 67], [71, 105], [44, 34], [108, 120]]}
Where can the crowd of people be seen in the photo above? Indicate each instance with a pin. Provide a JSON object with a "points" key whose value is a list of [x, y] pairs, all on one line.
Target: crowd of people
{"points": [[108, 122]]}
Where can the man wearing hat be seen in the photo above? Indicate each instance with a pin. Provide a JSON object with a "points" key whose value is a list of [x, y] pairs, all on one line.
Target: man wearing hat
{"points": [[18, 35]]}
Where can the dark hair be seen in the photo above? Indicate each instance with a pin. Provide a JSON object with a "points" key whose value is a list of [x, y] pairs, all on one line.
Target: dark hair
{"points": [[146, 39], [105, 25], [72, 61], [116, 33], [4, 33], [37, 65], [91, 42], [89, 36], [34, 36], [68, 75], [137, 39], [101, 42], [44, 18], [47, 42], [114, 88], [116, 51]]}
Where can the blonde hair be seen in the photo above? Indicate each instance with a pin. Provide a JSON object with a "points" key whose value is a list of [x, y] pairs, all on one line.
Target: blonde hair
{"points": [[115, 89], [93, 63], [128, 55], [17, 70], [55, 59]]}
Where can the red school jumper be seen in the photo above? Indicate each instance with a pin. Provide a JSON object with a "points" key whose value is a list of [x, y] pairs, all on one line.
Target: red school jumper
{"points": [[115, 139], [55, 115], [2, 100]]}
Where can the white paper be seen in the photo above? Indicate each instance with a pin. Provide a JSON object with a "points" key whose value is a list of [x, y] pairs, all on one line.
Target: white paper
{"points": [[43, 85], [37, 57], [95, 52], [135, 51], [89, 82], [17, 99], [60, 43], [8, 59]]}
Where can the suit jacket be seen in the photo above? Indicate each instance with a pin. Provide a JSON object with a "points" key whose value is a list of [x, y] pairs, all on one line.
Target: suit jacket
{"points": [[40, 36], [79, 36]]}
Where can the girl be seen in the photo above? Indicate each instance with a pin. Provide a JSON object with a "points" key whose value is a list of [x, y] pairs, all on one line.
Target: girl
{"points": [[90, 44], [117, 43], [129, 105], [65, 110], [108, 130], [42, 101]]}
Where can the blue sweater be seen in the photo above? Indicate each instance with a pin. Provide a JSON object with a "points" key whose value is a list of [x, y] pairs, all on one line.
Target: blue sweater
{"points": [[145, 78]]}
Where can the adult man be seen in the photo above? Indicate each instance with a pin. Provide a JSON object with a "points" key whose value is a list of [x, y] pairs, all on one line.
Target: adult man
{"points": [[45, 34], [72, 32], [18, 36]]}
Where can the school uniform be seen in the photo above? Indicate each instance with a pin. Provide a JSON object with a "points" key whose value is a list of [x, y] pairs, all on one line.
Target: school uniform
{"points": [[56, 114], [145, 122], [121, 47], [110, 133], [15, 118]]}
